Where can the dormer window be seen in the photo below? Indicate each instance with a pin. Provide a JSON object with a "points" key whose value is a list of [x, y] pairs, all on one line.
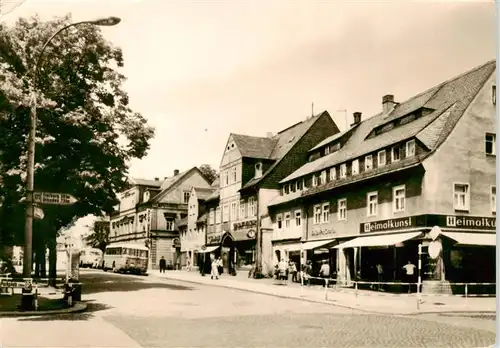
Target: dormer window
{"points": [[146, 196], [287, 189], [299, 185], [343, 170], [314, 180], [355, 167], [323, 177], [333, 174], [327, 150], [410, 148], [258, 170], [395, 154]]}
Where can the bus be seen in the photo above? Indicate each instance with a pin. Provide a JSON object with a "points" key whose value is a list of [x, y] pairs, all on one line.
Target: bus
{"points": [[126, 258], [91, 257]]}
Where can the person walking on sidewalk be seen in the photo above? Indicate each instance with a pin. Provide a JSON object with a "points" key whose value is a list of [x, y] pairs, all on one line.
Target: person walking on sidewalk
{"points": [[163, 264], [380, 276], [324, 271], [283, 268], [220, 267], [215, 269], [409, 274], [293, 270]]}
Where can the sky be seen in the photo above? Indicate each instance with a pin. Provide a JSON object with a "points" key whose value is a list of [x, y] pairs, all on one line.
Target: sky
{"points": [[200, 70]]}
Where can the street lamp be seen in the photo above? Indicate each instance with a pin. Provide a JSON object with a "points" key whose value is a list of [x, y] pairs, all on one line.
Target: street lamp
{"points": [[28, 232]]}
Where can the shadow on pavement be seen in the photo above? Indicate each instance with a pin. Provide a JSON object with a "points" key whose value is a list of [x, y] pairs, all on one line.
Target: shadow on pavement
{"points": [[106, 282], [92, 307]]}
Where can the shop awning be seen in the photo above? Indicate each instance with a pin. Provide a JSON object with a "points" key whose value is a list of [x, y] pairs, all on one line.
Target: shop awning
{"points": [[208, 249], [468, 238], [377, 241], [316, 244]]}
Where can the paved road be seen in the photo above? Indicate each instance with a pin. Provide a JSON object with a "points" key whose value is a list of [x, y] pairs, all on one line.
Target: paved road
{"points": [[132, 311]]}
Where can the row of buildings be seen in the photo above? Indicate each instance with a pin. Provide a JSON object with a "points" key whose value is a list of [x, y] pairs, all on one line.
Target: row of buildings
{"points": [[420, 172]]}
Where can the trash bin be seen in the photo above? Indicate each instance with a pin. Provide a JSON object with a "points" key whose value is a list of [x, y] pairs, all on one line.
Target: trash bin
{"points": [[77, 291], [27, 300]]}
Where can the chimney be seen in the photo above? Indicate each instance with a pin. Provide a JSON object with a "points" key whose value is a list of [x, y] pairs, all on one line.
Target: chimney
{"points": [[269, 134], [176, 172], [388, 103], [357, 118], [157, 179]]}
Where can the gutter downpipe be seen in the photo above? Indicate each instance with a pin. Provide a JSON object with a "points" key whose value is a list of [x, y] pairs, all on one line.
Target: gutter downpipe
{"points": [[258, 240]]}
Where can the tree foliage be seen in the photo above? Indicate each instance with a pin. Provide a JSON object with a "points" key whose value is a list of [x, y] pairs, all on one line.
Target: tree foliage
{"points": [[86, 131], [99, 235], [210, 173]]}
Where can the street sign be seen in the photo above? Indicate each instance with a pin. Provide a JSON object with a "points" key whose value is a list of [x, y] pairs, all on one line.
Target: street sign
{"points": [[38, 213], [54, 198]]}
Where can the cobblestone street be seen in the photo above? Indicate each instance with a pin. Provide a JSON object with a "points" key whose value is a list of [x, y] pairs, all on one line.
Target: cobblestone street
{"points": [[132, 311]]}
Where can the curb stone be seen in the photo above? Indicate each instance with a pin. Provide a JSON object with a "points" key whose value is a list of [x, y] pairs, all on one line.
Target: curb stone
{"points": [[329, 302], [78, 307]]}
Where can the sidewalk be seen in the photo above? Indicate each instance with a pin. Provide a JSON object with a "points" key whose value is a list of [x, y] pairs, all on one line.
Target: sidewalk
{"points": [[369, 301]]}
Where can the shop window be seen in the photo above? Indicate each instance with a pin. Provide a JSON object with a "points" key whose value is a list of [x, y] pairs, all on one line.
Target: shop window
{"points": [[317, 214], [461, 194], [410, 148], [326, 212], [493, 199], [381, 158], [368, 163], [186, 196], [288, 217], [395, 154], [279, 221], [298, 218], [343, 170], [372, 204], [490, 143], [333, 174], [243, 212], [398, 199], [342, 209], [355, 167]]}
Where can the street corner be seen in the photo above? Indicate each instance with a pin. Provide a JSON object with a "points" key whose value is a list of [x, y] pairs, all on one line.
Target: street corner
{"points": [[78, 307]]}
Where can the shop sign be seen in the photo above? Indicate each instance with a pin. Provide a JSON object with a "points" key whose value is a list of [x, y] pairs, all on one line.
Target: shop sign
{"points": [[213, 239], [320, 232], [470, 222], [244, 225], [251, 234], [388, 225]]}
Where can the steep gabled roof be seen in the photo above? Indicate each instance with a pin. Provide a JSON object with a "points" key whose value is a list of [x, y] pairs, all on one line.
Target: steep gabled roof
{"points": [[169, 183], [203, 193], [146, 182], [449, 101], [285, 141], [254, 147], [216, 182]]}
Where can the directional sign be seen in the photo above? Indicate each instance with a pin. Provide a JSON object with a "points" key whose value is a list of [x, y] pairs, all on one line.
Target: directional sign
{"points": [[54, 198], [38, 213]]}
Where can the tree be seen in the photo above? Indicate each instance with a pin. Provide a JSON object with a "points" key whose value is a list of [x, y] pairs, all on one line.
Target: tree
{"points": [[99, 235], [86, 133], [210, 173]]}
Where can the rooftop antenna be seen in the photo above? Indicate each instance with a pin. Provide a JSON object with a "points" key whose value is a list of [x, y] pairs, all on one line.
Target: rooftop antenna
{"points": [[345, 115], [312, 109]]}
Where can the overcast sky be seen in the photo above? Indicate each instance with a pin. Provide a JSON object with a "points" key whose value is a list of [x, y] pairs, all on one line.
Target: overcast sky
{"points": [[198, 70]]}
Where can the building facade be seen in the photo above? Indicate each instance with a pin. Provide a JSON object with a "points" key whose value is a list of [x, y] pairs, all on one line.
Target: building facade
{"points": [[148, 212], [250, 171], [421, 172]]}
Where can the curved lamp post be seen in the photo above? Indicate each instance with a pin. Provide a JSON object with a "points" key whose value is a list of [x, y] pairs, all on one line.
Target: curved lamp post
{"points": [[28, 232]]}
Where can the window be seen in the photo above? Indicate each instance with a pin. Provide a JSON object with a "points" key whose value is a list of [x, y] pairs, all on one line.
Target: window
{"points": [[226, 178], [398, 198], [243, 211], [333, 174], [395, 154], [327, 150], [225, 213], [494, 94], [234, 211], [381, 158], [279, 221], [217, 215], [490, 144], [211, 217], [300, 185], [293, 186], [186, 196], [410, 148], [342, 209], [288, 217], [493, 199], [355, 167], [258, 170], [323, 177], [252, 211], [371, 204], [317, 214], [315, 180], [461, 194], [298, 218], [170, 225], [326, 212], [286, 189], [368, 163], [233, 175], [343, 170]]}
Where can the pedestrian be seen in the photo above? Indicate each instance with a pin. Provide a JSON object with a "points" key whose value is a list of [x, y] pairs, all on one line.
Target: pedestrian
{"points": [[308, 272], [324, 271], [409, 274], [215, 269], [163, 264], [283, 268], [380, 276], [293, 270], [220, 267]]}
